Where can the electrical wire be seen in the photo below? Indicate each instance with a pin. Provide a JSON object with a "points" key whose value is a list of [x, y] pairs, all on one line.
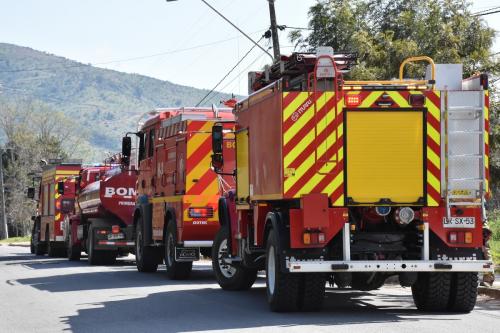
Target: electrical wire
{"points": [[230, 71], [122, 60]]}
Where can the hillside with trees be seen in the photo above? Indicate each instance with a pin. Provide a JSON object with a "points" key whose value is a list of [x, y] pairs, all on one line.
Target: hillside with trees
{"points": [[103, 103]]}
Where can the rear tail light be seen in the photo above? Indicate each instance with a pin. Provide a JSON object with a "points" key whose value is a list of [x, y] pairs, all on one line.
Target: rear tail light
{"points": [[416, 100], [313, 237], [460, 237], [468, 238], [353, 100], [306, 238], [201, 212], [115, 229]]}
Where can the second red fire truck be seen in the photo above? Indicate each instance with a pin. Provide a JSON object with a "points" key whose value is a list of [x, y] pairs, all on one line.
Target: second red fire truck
{"points": [[176, 216]]}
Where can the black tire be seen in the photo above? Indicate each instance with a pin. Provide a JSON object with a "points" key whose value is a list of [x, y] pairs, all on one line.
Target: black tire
{"points": [[283, 289], [51, 248], [146, 259], [98, 257], [229, 277], [312, 292], [367, 281], [176, 270], [431, 292], [463, 294], [74, 252], [39, 246]]}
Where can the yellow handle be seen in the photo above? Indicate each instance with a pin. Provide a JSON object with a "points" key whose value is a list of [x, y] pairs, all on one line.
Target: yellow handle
{"points": [[420, 58]]}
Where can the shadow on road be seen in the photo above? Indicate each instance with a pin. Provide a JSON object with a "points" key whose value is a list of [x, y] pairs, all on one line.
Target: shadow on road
{"points": [[215, 309], [122, 277]]}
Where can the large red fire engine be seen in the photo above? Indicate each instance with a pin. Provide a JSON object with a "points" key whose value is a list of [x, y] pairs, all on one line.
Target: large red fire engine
{"points": [[177, 192], [355, 181], [56, 199], [102, 222]]}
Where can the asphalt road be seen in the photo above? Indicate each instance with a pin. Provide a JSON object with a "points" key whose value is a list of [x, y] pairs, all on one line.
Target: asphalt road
{"points": [[41, 294]]}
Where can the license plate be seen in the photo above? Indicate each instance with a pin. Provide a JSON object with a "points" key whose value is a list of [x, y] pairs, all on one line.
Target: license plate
{"points": [[459, 222], [187, 253], [115, 236]]}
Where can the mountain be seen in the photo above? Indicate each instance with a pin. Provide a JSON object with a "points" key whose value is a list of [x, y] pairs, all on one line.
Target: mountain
{"points": [[106, 103]]}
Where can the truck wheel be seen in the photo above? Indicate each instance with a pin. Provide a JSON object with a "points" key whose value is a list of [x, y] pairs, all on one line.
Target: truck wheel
{"points": [[431, 292], [463, 292], [176, 270], [312, 294], [74, 252], [229, 277], [51, 249], [38, 245], [145, 256], [283, 289], [92, 253]]}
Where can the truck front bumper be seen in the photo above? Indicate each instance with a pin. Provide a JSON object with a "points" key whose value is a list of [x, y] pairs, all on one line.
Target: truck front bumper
{"points": [[317, 266]]}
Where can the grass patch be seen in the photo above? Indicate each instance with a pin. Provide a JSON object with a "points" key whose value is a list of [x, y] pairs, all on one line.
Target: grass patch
{"points": [[15, 240], [494, 224], [495, 251]]}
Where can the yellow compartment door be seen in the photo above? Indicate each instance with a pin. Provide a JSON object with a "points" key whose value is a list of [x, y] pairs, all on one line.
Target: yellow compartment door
{"points": [[385, 157]]}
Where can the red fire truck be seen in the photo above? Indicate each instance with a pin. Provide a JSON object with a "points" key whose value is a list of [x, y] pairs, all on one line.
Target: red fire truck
{"points": [[355, 181], [56, 199], [102, 222], [177, 192]]}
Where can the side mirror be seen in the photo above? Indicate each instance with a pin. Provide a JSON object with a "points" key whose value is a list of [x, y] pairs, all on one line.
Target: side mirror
{"points": [[126, 146], [31, 193], [33, 217], [217, 139], [60, 188], [217, 148]]}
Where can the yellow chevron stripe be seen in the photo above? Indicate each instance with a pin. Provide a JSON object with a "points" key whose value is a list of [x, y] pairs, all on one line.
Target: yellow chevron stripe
{"points": [[435, 110], [431, 202], [434, 158], [400, 100], [299, 172], [197, 139], [329, 115], [307, 115], [433, 134], [295, 128], [433, 181], [211, 189], [339, 201], [293, 106], [294, 153], [338, 181], [370, 99], [318, 177], [198, 171]]}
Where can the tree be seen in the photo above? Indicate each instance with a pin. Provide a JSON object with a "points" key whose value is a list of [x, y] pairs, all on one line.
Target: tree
{"points": [[385, 32], [32, 132]]}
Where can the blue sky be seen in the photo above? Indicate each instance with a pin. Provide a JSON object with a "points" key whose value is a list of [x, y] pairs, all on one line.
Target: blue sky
{"points": [[103, 31]]}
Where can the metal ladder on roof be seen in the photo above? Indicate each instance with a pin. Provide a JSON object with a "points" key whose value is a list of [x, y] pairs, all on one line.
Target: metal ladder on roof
{"points": [[464, 149]]}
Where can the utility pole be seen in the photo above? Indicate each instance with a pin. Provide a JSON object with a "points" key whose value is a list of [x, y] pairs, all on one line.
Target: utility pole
{"points": [[5, 233], [274, 32]]}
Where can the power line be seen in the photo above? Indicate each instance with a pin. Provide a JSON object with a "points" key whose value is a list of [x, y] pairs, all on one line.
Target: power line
{"points": [[126, 59], [230, 71], [487, 10], [487, 13]]}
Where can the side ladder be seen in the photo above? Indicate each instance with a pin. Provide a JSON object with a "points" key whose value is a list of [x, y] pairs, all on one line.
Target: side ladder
{"points": [[464, 149]]}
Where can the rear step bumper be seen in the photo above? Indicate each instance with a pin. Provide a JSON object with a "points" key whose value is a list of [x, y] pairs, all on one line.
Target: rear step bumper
{"points": [[115, 243], [299, 266]]}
